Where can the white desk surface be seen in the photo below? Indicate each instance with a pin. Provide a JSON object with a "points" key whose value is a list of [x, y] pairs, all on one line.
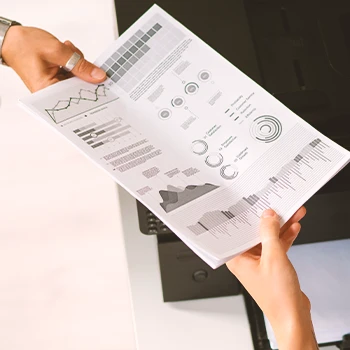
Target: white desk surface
{"points": [[65, 282]]}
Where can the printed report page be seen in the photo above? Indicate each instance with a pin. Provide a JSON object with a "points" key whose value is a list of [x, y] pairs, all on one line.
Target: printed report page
{"points": [[195, 140]]}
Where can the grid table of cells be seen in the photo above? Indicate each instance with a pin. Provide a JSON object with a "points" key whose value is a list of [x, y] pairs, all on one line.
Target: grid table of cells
{"points": [[130, 63]]}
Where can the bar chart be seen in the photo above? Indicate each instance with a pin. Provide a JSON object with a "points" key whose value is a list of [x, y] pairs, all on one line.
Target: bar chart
{"points": [[97, 135], [145, 49], [279, 191]]}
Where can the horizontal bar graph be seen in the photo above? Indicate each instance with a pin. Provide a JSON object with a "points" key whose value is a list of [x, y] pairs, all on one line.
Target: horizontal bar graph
{"points": [[98, 135]]}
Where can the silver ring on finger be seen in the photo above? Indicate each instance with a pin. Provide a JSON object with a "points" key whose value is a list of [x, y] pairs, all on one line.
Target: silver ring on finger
{"points": [[72, 62]]}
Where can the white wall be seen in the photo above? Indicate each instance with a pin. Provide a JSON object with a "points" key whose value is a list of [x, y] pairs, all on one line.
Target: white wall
{"points": [[63, 279]]}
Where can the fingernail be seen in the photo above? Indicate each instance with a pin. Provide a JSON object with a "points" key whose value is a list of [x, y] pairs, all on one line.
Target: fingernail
{"points": [[268, 213], [98, 73]]}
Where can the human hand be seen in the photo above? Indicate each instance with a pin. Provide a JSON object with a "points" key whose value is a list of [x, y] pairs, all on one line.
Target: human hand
{"points": [[270, 278], [37, 57]]}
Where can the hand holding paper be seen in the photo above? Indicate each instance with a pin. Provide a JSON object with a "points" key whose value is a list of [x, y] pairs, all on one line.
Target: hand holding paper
{"points": [[270, 278]]}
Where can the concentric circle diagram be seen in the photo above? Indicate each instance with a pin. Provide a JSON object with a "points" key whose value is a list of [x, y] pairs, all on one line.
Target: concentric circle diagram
{"points": [[178, 101], [164, 113], [191, 88], [204, 75], [266, 129], [199, 147], [214, 160], [229, 172]]}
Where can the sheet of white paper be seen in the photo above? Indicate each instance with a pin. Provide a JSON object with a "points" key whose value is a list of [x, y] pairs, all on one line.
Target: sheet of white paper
{"points": [[324, 274], [195, 140]]}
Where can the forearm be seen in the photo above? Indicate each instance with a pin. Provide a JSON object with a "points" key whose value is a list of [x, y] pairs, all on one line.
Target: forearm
{"points": [[298, 334]]}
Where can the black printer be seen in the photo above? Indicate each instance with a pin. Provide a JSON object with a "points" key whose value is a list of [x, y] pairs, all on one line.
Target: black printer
{"points": [[299, 51]]}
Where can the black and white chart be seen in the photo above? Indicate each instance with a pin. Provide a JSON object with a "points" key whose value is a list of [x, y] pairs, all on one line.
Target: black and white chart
{"points": [[97, 135], [175, 197], [278, 187], [146, 48], [77, 101]]}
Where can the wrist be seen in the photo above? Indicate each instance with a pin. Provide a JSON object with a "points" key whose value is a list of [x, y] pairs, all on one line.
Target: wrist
{"points": [[296, 333], [8, 40]]}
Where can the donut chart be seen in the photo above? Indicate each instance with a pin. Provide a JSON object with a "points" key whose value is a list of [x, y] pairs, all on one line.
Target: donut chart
{"points": [[178, 101], [266, 129], [164, 113], [214, 160], [199, 147], [204, 75], [191, 88], [229, 172]]}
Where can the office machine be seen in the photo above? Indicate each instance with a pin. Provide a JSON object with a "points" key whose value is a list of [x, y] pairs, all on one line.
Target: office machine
{"points": [[299, 51]]}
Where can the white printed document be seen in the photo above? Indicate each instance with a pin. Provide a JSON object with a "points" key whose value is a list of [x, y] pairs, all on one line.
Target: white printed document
{"points": [[191, 137]]}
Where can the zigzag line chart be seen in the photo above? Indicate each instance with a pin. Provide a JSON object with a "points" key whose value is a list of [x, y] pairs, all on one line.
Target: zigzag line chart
{"points": [[82, 102]]}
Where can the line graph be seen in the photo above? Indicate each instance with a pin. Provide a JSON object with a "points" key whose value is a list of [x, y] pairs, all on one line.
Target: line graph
{"points": [[81, 101]]}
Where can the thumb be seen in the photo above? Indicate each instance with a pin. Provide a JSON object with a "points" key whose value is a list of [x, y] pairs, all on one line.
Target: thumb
{"points": [[83, 69], [269, 234]]}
